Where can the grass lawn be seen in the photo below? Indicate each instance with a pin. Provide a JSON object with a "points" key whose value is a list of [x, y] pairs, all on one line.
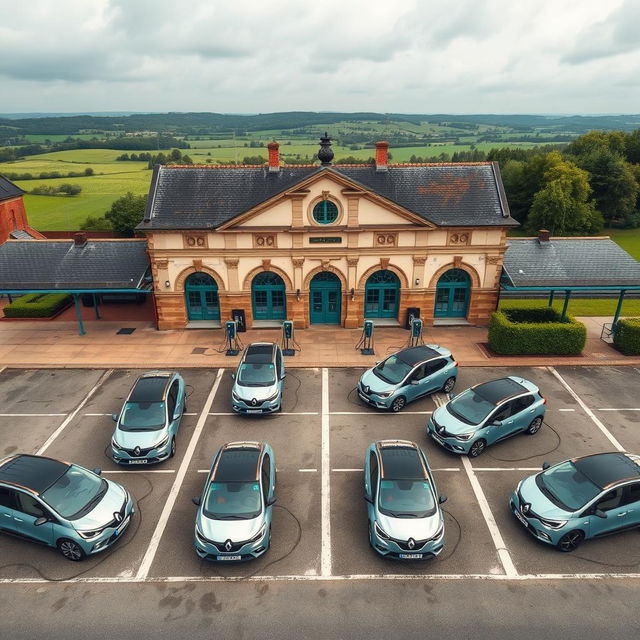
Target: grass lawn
{"points": [[628, 239], [579, 306]]}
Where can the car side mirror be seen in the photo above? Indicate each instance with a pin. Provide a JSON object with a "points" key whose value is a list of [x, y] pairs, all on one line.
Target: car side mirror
{"points": [[196, 501], [233, 376], [97, 471], [176, 415], [283, 376], [414, 382], [442, 499], [40, 521], [600, 513], [271, 501], [368, 499], [545, 465], [114, 417], [450, 396], [496, 423]]}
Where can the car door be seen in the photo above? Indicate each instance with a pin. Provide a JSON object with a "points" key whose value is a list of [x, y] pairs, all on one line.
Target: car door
{"points": [[173, 407], [27, 511], [631, 500], [612, 504], [522, 413], [268, 479], [371, 483], [7, 508], [436, 374], [495, 432], [416, 383], [279, 368]]}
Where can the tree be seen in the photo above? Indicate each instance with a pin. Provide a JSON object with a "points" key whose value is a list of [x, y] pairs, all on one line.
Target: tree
{"points": [[94, 223], [126, 213], [563, 205], [70, 189], [88, 171]]}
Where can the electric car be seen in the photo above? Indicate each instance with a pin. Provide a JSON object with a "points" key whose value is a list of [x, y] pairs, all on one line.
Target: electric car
{"points": [[147, 426], [408, 375], [405, 519], [62, 505], [257, 386], [578, 499], [233, 522], [487, 413]]}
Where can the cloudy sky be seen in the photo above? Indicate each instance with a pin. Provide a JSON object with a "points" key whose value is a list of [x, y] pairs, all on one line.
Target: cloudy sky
{"points": [[250, 56]]}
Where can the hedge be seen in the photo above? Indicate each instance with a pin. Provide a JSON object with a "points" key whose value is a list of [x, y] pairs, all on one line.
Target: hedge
{"points": [[626, 337], [37, 305], [535, 331]]}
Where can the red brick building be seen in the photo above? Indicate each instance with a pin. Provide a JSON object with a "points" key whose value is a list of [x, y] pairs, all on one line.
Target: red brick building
{"points": [[13, 217]]}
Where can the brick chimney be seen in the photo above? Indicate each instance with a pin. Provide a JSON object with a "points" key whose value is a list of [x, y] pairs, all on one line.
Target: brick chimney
{"points": [[79, 239], [381, 156], [544, 236], [274, 156]]}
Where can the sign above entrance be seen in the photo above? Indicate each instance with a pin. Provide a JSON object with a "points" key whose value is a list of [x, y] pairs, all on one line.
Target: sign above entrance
{"points": [[325, 240]]}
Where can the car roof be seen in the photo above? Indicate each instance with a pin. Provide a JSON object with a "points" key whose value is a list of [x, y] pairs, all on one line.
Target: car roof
{"points": [[150, 387], [414, 355], [35, 473], [606, 469], [400, 460], [238, 462], [495, 391], [259, 353]]}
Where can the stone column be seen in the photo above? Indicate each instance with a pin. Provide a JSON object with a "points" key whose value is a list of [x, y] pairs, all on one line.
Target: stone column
{"points": [[355, 306]]}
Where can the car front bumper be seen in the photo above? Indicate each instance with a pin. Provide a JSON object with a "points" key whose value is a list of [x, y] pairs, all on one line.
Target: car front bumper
{"points": [[374, 400], [239, 406], [450, 444], [391, 549], [110, 535], [119, 456], [533, 525], [208, 550]]}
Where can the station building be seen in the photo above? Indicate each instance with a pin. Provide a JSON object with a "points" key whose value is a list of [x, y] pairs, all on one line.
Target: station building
{"points": [[326, 244]]}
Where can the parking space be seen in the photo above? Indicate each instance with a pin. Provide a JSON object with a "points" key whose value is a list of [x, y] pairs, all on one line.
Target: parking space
{"points": [[320, 521]]}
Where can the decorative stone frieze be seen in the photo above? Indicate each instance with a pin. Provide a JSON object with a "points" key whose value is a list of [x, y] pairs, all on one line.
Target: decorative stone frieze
{"points": [[195, 241]]}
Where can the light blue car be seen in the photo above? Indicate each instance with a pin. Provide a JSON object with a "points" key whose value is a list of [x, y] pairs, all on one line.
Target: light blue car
{"points": [[408, 375], [403, 506], [487, 413], [62, 505], [234, 516], [257, 383], [147, 426], [578, 499]]}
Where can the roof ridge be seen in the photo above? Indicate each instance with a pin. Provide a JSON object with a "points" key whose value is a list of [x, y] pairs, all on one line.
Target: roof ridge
{"points": [[306, 166]]}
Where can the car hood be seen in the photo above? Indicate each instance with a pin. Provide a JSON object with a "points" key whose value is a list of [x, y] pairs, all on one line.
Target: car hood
{"points": [[142, 439], [540, 504], [375, 384], [405, 528], [103, 513], [259, 393], [234, 530], [451, 423]]}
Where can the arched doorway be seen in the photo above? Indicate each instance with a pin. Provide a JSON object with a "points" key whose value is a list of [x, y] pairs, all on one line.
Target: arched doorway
{"points": [[452, 294], [201, 296], [324, 298], [382, 295], [268, 297]]}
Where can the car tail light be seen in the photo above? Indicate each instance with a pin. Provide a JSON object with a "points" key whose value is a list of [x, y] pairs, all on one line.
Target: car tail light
{"points": [[544, 400]]}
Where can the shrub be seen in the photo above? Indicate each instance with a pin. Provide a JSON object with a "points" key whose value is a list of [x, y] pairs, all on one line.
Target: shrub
{"points": [[627, 336], [38, 305], [535, 331]]}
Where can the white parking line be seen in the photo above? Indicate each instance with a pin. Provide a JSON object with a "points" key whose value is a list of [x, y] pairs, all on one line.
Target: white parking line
{"points": [[370, 413], [588, 411], [280, 413], [308, 470], [140, 471], [31, 415], [361, 470], [73, 414], [567, 410], [325, 553], [503, 553], [621, 409], [150, 554], [506, 468]]}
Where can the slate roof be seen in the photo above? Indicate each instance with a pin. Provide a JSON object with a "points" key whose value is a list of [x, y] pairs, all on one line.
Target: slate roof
{"points": [[21, 234], [569, 262], [59, 264], [443, 194], [8, 189]]}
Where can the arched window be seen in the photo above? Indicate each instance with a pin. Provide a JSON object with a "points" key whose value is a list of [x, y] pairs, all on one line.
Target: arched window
{"points": [[268, 296], [325, 212]]}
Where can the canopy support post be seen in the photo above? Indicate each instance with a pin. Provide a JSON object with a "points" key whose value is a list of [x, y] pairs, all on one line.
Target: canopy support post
{"points": [[551, 297], [567, 295], [618, 309], [76, 300], [95, 306]]}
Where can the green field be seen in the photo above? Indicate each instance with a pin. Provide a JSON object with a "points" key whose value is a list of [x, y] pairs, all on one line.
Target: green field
{"points": [[579, 306]]}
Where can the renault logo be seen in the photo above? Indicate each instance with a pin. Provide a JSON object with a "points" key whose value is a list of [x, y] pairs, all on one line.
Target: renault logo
{"points": [[411, 544], [525, 508], [254, 402], [228, 545], [136, 451], [367, 389], [117, 516], [440, 429]]}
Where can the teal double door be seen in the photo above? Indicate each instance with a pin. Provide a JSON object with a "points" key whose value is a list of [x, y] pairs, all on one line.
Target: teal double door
{"points": [[382, 295], [201, 297], [268, 297], [452, 294], [325, 298]]}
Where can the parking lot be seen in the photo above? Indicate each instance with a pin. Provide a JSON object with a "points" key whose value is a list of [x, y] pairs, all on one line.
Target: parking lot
{"points": [[319, 440]]}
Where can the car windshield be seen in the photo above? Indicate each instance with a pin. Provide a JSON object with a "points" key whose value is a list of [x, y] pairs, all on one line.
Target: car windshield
{"points": [[233, 500], [75, 493], [392, 370], [566, 487], [256, 375], [406, 498], [143, 416], [470, 407]]}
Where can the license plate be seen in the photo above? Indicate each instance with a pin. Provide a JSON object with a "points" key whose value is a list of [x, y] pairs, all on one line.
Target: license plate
{"points": [[254, 410], [411, 556], [141, 461], [123, 526], [521, 518], [228, 557]]}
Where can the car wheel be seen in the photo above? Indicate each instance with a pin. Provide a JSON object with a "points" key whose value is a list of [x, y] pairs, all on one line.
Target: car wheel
{"points": [[173, 448], [398, 404], [570, 541], [535, 425], [449, 384], [477, 448], [70, 550], [184, 407]]}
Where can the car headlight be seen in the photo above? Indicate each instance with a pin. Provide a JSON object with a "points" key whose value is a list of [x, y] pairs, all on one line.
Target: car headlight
{"points": [[89, 535], [381, 532], [236, 397], [272, 398], [439, 532], [260, 534], [114, 443], [465, 436], [162, 443], [553, 524], [201, 535], [386, 394]]}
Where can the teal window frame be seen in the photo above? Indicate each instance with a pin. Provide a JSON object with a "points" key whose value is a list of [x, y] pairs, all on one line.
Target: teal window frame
{"points": [[325, 212]]}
